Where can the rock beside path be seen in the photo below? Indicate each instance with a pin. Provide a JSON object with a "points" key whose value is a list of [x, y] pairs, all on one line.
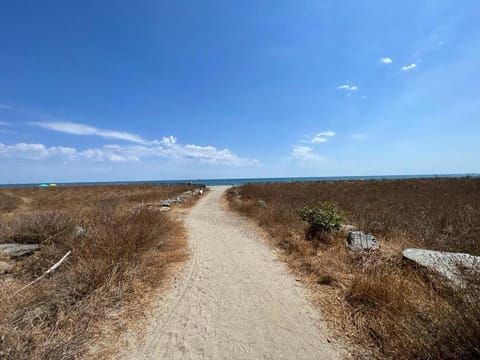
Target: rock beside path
{"points": [[166, 204], [181, 198], [359, 241], [451, 265], [17, 250]]}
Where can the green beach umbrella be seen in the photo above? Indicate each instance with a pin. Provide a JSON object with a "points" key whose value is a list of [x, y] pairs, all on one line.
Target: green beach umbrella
{"points": [[53, 185]]}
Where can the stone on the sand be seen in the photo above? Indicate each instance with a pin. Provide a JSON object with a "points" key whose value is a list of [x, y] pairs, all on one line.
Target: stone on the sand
{"points": [[358, 241], [5, 267], [17, 250], [167, 202], [262, 203], [164, 208], [180, 199], [449, 264]]}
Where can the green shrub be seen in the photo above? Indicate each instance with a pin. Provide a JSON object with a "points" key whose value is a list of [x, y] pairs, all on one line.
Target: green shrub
{"points": [[322, 219]]}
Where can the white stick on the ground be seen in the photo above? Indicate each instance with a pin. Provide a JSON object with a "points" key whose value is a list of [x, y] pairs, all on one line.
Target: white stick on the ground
{"points": [[52, 269]]}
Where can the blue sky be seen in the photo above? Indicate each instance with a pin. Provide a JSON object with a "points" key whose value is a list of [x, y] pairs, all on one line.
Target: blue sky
{"points": [[143, 90]]}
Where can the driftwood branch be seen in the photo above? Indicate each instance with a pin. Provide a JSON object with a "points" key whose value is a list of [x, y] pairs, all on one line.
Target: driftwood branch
{"points": [[49, 271]]}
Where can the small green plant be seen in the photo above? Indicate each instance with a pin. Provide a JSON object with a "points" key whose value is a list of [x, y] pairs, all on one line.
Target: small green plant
{"points": [[322, 219]]}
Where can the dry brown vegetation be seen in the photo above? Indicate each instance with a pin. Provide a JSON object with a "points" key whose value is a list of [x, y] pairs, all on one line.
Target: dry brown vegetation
{"points": [[383, 304], [121, 255]]}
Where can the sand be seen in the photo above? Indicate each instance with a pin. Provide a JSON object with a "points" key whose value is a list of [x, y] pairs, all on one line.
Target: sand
{"points": [[234, 300]]}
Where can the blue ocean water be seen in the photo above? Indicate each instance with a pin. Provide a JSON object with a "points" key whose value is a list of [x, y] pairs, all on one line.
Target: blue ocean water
{"points": [[216, 182]]}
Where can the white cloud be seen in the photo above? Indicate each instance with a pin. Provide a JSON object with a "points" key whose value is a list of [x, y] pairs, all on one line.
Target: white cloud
{"points": [[305, 153], [169, 149], [35, 151], [166, 148], [107, 154], [168, 140], [4, 106], [386, 60], [408, 67], [322, 137], [348, 87], [81, 129], [326, 133], [4, 123]]}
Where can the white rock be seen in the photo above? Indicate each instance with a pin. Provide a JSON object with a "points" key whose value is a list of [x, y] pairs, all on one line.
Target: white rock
{"points": [[17, 250], [449, 264], [358, 241]]}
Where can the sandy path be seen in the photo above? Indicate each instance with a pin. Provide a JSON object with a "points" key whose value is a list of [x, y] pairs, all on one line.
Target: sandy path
{"points": [[234, 300]]}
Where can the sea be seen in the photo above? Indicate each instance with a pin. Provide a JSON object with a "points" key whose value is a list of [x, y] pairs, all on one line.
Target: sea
{"points": [[240, 181]]}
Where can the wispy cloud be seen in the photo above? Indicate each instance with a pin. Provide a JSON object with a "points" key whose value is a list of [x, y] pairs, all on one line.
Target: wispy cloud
{"points": [[386, 60], [4, 106], [347, 87], [408, 67], [4, 123], [321, 137], [305, 153], [81, 129]]}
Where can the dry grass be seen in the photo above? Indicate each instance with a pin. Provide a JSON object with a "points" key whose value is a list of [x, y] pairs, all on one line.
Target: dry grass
{"points": [[122, 254], [388, 307], [8, 201], [91, 196]]}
